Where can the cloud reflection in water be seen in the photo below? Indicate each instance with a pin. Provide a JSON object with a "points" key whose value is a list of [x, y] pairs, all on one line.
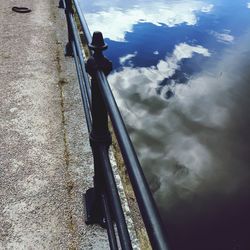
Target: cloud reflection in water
{"points": [[195, 146], [187, 110], [158, 13]]}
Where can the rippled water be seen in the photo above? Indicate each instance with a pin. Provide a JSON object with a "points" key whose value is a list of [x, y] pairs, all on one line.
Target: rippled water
{"points": [[182, 80]]}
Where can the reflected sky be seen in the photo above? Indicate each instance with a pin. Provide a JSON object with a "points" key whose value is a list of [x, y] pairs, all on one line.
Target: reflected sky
{"points": [[181, 78]]}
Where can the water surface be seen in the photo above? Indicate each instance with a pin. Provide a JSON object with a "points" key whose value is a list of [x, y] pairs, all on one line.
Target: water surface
{"points": [[181, 78]]}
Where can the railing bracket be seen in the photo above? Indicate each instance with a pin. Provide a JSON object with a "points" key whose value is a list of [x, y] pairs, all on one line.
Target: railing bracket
{"points": [[68, 50], [61, 4], [94, 209]]}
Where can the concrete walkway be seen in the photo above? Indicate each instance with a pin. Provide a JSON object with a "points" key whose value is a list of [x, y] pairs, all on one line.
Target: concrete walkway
{"points": [[45, 159]]}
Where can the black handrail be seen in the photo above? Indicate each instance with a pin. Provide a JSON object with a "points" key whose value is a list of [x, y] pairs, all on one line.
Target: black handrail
{"points": [[104, 194]]}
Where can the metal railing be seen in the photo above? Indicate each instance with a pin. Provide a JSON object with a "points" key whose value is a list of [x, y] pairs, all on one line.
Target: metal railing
{"points": [[103, 203]]}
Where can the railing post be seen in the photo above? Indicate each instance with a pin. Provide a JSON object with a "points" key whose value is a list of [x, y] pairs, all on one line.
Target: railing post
{"points": [[69, 10], [100, 135]]}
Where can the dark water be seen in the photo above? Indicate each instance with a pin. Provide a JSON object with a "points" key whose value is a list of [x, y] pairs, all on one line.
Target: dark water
{"points": [[182, 80]]}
